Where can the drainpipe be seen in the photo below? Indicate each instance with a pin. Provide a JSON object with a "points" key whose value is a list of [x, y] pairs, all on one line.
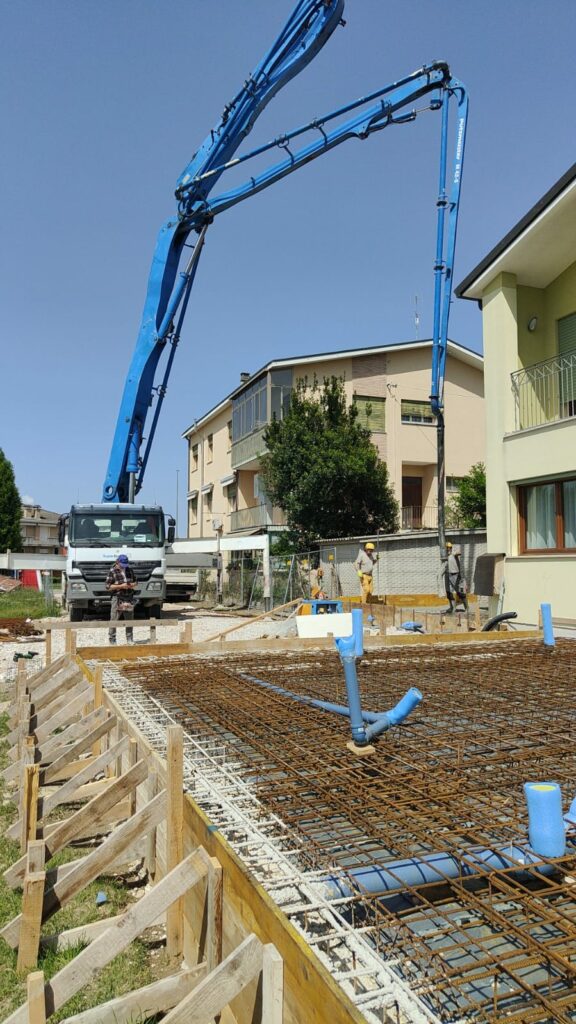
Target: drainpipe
{"points": [[547, 627]]}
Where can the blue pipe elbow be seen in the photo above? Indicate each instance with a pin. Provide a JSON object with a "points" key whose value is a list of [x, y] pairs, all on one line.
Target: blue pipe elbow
{"points": [[546, 829], [405, 706]]}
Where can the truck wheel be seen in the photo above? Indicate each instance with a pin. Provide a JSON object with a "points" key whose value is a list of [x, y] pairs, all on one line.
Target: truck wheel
{"points": [[76, 614], [155, 611]]}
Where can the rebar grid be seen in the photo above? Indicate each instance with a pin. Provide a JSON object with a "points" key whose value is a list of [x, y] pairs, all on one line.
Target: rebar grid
{"points": [[450, 779]]}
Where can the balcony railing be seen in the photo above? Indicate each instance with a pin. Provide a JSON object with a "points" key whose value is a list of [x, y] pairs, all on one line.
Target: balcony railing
{"points": [[256, 516], [419, 517], [545, 392], [248, 448]]}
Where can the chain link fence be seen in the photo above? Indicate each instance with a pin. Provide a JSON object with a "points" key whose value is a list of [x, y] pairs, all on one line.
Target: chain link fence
{"points": [[291, 577]]}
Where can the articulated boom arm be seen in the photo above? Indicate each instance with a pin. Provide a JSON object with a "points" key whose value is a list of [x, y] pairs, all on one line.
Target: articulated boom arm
{"points": [[169, 287]]}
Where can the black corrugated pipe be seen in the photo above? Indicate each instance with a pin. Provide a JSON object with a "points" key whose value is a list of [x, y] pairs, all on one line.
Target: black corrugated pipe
{"points": [[492, 623]]}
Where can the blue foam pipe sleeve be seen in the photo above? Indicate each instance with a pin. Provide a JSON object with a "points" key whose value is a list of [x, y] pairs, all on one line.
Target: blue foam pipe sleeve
{"points": [[546, 829], [358, 631], [547, 626]]}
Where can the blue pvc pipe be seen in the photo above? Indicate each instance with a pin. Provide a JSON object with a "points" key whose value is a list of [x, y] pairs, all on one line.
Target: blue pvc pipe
{"points": [[396, 715], [357, 726], [546, 831], [547, 626], [358, 631]]}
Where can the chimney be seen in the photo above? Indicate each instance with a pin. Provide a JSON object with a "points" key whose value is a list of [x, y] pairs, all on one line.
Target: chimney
{"points": [[244, 377]]}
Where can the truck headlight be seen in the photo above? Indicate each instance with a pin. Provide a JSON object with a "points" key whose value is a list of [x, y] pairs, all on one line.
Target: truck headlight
{"points": [[78, 586], [154, 585]]}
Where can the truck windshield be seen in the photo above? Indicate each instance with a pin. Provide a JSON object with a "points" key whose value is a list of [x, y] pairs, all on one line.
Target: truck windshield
{"points": [[116, 529]]}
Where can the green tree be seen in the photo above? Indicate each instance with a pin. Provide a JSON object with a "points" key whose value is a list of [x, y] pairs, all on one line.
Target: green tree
{"points": [[469, 505], [323, 470], [10, 508]]}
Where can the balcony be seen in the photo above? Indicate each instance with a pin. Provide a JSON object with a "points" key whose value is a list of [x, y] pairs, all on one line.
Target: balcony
{"points": [[248, 449], [546, 392], [255, 517], [419, 517]]}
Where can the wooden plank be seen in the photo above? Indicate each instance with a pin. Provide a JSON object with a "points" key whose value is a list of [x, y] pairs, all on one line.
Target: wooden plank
{"points": [[29, 819], [47, 672], [48, 647], [132, 652], [96, 826], [82, 969], [60, 702], [72, 769], [96, 863], [74, 732], [81, 935], [214, 896], [146, 1002], [65, 715], [35, 998], [150, 854], [73, 752], [64, 832], [272, 985], [62, 680], [421, 600], [64, 625], [251, 621], [222, 985], [32, 900], [174, 832]]}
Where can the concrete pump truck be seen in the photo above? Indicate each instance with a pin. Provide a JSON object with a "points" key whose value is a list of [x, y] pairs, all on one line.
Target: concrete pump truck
{"points": [[96, 534]]}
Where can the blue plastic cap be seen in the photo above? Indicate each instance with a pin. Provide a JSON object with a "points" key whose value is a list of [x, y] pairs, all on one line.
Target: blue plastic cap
{"points": [[123, 559]]}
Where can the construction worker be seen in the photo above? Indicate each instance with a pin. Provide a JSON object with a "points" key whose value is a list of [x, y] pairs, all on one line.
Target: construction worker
{"points": [[316, 577], [365, 568], [453, 579], [121, 583]]}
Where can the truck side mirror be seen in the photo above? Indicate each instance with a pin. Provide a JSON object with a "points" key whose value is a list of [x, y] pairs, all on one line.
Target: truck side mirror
{"points": [[62, 530], [171, 530]]}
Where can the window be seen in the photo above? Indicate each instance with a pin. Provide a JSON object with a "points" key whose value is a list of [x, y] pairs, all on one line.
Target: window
{"points": [[548, 516], [232, 498], [209, 447], [453, 484], [416, 412], [229, 428], [249, 410], [193, 510], [208, 503], [371, 412], [194, 458], [280, 393]]}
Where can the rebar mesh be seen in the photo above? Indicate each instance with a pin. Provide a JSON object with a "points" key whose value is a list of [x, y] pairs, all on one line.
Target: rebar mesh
{"points": [[499, 944]]}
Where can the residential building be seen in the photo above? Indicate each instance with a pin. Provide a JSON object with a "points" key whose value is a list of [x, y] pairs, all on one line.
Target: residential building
{"points": [[391, 385], [39, 530], [527, 290]]}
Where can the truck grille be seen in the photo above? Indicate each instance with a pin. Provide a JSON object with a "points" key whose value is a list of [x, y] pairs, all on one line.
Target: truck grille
{"points": [[96, 572]]}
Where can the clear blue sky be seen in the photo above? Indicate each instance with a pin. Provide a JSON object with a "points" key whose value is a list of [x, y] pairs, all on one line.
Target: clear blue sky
{"points": [[104, 102]]}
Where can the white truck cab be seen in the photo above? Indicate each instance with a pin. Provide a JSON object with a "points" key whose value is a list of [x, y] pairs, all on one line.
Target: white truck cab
{"points": [[94, 536]]}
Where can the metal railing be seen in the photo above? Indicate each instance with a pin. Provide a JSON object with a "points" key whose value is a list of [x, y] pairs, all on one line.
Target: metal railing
{"points": [[255, 516], [419, 517], [545, 392]]}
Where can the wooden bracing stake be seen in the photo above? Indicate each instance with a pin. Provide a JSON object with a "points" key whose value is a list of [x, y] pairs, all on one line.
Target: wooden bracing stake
{"points": [[29, 815], [174, 833], [32, 902], [36, 1001]]}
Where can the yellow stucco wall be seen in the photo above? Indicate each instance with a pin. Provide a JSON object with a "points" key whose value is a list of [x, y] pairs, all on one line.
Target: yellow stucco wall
{"points": [[518, 456]]}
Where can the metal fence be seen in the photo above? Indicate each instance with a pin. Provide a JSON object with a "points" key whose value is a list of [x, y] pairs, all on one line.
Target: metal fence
{"points": [[291, 576], [545, 392]]}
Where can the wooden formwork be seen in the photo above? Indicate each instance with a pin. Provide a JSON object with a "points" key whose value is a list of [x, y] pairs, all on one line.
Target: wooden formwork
{"points": [[132, 803]]}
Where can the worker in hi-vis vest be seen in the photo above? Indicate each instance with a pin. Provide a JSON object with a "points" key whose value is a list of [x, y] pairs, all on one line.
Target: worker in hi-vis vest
{"points": [[365, 568]]}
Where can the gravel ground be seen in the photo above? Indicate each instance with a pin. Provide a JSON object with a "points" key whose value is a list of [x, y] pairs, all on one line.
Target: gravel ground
{"points": [[204, 626]]}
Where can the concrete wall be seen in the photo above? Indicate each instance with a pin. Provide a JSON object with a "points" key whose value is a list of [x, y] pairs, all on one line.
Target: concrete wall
{"points": [[408, 563]]}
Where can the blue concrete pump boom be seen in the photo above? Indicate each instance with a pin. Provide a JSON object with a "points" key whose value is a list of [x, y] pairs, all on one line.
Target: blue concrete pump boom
{"points": [[171, 275]]}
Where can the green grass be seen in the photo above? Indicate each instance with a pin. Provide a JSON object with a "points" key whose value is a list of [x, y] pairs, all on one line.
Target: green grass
{"points": [[128, 971], [27, 603]]}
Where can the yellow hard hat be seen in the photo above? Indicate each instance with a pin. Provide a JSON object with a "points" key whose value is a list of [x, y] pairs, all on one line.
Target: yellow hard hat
{"points": [[448, 543], [369, 546]]}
